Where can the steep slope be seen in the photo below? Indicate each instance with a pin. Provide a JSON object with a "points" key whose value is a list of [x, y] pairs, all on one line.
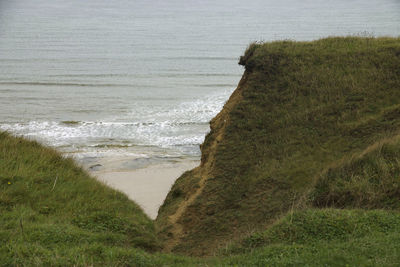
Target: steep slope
{"points": [[300, 108], [364, 187], [370, 180], [53, 213]]}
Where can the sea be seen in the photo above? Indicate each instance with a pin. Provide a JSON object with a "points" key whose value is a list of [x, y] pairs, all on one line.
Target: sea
{"points": [[141, 79]]}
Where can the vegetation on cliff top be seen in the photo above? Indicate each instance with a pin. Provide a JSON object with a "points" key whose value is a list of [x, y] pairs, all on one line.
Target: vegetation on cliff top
{"points": [[301, 167]]}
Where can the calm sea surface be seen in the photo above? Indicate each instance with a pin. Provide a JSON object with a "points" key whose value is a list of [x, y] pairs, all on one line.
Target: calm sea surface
{"points": [[142, 78]]}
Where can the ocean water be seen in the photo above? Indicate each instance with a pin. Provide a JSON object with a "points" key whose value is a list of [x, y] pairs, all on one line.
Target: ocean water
{"points": [[142, 78]]}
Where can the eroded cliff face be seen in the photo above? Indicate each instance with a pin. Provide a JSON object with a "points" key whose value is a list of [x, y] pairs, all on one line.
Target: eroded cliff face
{"points": [[177, 207], [299, 108]]}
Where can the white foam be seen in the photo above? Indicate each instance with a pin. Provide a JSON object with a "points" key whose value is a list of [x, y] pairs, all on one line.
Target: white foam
{"points": [[197, 111], [163, 126]]}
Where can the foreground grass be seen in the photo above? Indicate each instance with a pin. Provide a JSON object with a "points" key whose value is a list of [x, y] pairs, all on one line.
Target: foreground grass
{"points": [[325, 237], [53, 213]]}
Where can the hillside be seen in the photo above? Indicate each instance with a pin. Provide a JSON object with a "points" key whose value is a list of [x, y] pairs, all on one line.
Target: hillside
{"points": [[53, 213], [300, 109], [300, 168], [83, 223]]}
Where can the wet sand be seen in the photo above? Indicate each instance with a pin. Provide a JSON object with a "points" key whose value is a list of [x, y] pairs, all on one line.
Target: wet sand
{"points": [[147, 186]]}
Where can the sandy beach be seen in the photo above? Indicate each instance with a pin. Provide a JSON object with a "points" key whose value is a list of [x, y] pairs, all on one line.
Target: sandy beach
{"points": [[147, 186]]}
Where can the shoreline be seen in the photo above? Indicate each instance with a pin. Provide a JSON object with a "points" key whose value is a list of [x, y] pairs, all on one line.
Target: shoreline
{"points": [[147, 186]]}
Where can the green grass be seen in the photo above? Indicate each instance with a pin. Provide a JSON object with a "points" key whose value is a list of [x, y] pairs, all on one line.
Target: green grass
{"points": [[326, 225], [325, 237], [369, 181], [52, 212]]}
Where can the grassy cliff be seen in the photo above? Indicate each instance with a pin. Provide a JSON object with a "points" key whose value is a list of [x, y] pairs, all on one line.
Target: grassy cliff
{"points": [[300, 109]]}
